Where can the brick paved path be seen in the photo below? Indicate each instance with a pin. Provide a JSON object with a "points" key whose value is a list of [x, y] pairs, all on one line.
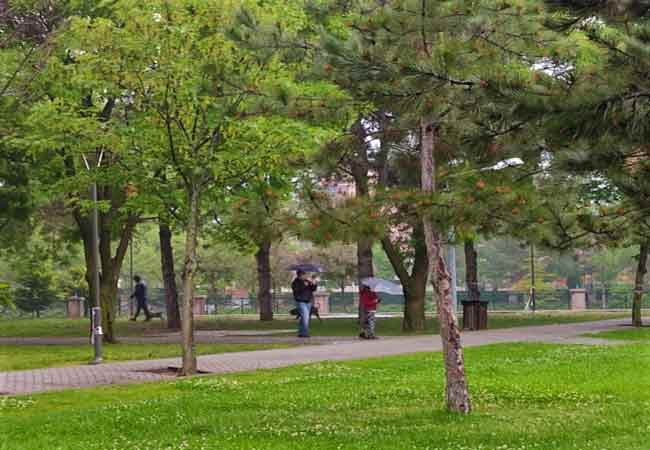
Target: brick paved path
{"points": [[30, 381], [200, 337]]}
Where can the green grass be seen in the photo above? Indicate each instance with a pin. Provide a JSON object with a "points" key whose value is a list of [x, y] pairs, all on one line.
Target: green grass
{"points": [[329, 327], [525, 396], [24, 357], [625, 334]]}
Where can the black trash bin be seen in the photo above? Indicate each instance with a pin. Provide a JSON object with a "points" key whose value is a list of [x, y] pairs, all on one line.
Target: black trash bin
{"points": [[475, 315]]}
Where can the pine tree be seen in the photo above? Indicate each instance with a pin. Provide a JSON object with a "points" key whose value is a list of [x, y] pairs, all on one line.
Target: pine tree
{"points": [[600, 128]]}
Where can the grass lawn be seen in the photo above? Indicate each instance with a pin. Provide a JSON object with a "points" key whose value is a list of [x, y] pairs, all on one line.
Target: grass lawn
{"points": [[526, 397], [329, 327], [626, 334], [24, 357]]}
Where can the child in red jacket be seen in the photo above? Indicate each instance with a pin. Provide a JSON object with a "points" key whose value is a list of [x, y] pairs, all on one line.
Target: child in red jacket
{"points": [[369, 301]]}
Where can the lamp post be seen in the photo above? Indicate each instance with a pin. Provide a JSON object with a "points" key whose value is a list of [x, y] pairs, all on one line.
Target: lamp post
{"points": [[533, 296], [96, 315]]}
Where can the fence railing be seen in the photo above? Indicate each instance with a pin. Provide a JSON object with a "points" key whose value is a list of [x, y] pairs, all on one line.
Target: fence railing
{"points": [[619, 297], [614, 297]]}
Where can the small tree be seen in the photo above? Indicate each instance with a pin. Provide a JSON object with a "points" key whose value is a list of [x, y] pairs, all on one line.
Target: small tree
{"points": [[6, 296], [35, 291]]}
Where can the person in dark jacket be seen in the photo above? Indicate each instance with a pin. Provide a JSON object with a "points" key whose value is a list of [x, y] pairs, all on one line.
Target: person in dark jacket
{"points": [[140, 295], [303, 293]]}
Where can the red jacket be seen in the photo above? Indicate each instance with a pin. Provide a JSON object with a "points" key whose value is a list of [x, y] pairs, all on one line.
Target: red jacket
{"points": [[369, 300]]}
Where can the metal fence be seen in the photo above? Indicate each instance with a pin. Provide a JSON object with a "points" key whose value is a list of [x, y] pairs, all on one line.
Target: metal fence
{"points": [[618, 297], [614, 297]]}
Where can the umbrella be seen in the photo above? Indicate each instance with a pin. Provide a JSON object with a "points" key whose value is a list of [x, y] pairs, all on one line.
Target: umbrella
{"points": [[381, 285], [307, 267]]}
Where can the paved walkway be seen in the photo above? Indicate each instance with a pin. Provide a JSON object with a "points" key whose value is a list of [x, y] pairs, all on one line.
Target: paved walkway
{"points": [[31, 381], [200, 337]]}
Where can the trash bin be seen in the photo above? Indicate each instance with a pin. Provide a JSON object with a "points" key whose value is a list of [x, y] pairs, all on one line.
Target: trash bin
{"points": [[475, 315]]}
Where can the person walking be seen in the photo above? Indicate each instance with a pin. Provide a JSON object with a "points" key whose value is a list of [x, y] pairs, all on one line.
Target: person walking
{"points": [[303, 294], [140, 295], [368, 300]]}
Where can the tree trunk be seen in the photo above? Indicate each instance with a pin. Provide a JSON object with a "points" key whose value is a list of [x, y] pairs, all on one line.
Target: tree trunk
{"points": [[365, 268], [589, 284], [471, 271], [457, 393], [107, 297], [641, 270], [169, 277], [414, 302], [90, 279], [189, 269], [213, 290], [109, 265], [360, 167], [414, 283], [264, 297]]}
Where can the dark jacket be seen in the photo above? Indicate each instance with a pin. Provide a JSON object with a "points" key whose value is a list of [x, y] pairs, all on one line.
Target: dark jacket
{"points": [[140, 292], [303, 291]]}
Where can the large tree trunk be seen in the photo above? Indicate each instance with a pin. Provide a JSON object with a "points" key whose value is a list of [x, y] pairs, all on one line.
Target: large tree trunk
{"points": [[189, 269], [264, 281], [414, 305], [110, 264], [90, 279], [641, 270], [365, 269], [457, 393], [414, 283], [169, 277], [360, 167], [108, 295], [471, 271], [364, 259]]}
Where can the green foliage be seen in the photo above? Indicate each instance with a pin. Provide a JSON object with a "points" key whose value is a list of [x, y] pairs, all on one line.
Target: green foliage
{"points": [[6, 298], [600, 128], [609, 263], [36, 290], [223, 266], [543, 277]]}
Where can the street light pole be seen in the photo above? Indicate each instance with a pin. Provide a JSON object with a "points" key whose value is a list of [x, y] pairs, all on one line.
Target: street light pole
{"points": [[533, 298], [96, 316]]}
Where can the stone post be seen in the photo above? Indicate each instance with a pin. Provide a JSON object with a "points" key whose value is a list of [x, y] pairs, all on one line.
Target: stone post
{"points": [[578, 299], [125, 306], [75, 307], [322, 301], [199, 305]]}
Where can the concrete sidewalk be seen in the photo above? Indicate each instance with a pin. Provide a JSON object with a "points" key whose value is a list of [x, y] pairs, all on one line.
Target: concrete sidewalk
{"points": [[31, 381]]}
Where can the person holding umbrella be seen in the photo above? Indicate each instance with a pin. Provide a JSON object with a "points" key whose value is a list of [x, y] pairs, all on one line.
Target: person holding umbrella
{"points": [[369, 300], [303, 293]]}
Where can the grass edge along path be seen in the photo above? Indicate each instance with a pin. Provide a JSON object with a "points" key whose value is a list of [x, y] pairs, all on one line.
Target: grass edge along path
{"points": [[26, 357], [624, 334], [526, 397], [329, 327]]}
